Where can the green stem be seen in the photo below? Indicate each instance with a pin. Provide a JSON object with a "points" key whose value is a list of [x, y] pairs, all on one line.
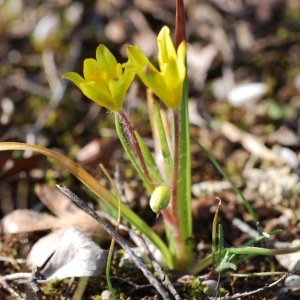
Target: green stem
{"points": [[176, 166], [179, 234], [184, 181], [176, 238]]}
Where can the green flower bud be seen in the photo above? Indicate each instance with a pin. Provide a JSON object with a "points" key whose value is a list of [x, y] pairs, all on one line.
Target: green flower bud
{"points": [[160, 198]]}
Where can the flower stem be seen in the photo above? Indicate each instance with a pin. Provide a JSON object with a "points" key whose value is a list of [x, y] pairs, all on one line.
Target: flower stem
{"points": [[180, 33], [177, 236], [135, 145], [176, 165]]}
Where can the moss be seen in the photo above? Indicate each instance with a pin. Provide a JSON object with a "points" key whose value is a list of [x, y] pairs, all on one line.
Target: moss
{"points": [[196, 289], [55, 282], [52, 287], [122, 296]]}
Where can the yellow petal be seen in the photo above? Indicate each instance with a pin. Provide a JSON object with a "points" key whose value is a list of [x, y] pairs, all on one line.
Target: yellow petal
{"points": [[166, 83], [119, 86], [104, 81], [136, 59], [139, 63], [166, 49], [106, 60], [92, 71], [74, 77], [92, 91], [181, 59]]}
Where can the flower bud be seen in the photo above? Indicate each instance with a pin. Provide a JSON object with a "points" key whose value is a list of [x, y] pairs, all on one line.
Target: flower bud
{"points": [[160, 198]]}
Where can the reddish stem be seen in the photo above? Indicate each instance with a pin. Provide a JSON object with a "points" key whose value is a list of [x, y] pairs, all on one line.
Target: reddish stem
{"points": [[167, 214], [135, 145], [180, 33]]}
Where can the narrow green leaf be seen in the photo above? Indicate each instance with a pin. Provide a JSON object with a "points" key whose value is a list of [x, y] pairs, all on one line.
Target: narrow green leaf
{"points": [[220, 243], [184, 178], [167, 155], [151, 165], [214, 237]]}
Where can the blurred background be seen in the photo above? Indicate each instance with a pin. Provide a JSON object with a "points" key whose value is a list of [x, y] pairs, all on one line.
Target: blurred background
{"points": [[244, 68]]}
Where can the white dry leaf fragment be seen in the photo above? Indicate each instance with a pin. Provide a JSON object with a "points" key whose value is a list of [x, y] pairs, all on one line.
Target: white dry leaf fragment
{"points": [[290, 261], [73, 13], [43, 249], [244, 35], [76, 255], [284, 136], [194, 114], [219, 88], [249, 142], [25, 220], [46, 28], [272, 184], [199, 61], [297, 82], [209, 187], [288, 156], [247, 94]]}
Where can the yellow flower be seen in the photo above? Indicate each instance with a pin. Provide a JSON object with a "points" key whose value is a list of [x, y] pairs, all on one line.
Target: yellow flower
{"points": [[166, 83], [104, 81]]}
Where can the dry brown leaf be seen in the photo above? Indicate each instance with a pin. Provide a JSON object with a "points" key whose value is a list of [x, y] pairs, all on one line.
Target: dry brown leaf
{"points": [[25, 220], [97, 151], [69, 215]]}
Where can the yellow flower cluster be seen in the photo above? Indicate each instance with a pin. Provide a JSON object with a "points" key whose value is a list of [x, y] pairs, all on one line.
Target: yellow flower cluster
{"points": [[106, 81]]}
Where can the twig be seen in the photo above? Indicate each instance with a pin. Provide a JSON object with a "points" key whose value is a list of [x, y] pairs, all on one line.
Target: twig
{"points": [[161, 274], [137, 261], [136, 286], [10, 289], [33, 279], [16, 276], [241, 295], [69, 287], [111, 220]]}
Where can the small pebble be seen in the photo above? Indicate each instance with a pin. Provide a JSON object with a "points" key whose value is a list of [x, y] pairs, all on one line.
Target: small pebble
{"points": [[212, 286], [289, 157], [292, 281], [106, 295]]}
